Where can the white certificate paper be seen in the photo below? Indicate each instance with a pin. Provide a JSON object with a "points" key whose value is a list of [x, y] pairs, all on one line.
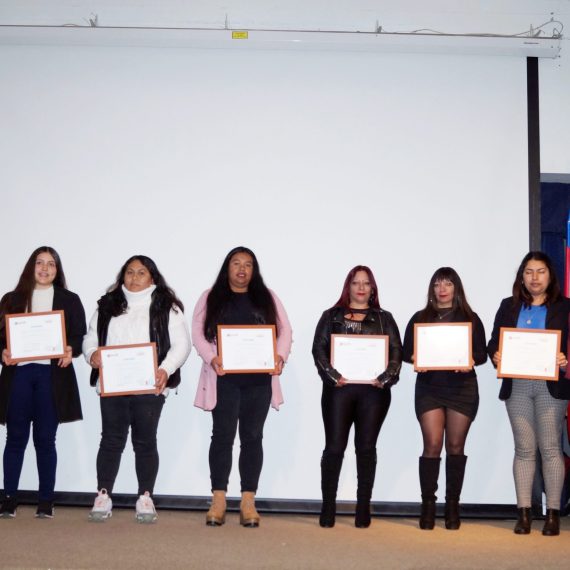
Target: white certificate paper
{"points": [[442, 346], [245, 348], [36, 336], [360, 358], [528, 353], [128, 369]]}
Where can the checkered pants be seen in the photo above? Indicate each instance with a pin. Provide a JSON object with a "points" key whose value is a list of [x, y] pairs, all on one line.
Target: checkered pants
{"points": [[536, 420]]}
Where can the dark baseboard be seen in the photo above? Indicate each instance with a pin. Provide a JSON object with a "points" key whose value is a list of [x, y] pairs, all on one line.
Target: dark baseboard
{"points": [[283, 506]]}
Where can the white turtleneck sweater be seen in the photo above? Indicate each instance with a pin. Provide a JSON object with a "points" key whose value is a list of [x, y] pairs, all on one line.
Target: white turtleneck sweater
{"points": [[132, 327]]}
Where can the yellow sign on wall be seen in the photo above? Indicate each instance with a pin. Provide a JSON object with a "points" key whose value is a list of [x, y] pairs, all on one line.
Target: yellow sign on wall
{"points": [[239, 35]]}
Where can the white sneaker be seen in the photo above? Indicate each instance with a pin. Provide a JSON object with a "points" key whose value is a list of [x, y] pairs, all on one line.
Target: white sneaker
{"points": [[145, 511], [102, 508]]}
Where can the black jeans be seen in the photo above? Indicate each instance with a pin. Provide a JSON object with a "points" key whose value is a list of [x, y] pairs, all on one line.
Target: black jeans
{"points": [[246, 404], [362, 405], [119, 413]]}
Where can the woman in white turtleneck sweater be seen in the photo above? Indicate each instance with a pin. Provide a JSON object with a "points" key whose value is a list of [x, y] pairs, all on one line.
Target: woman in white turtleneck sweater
{"points": [[138, 308], [42, 393]]}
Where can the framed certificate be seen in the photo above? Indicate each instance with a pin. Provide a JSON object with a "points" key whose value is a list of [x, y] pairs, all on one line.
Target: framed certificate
{"points": [[128, 369], [247, 348], [36, 336], [442, 346], [528, 353], [360, 358]]}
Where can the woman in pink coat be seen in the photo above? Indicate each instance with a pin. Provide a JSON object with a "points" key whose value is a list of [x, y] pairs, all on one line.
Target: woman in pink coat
{"points": [[238, 297]]}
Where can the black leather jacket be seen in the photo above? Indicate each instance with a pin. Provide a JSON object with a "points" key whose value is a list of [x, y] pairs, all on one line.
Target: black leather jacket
{"points": [[376, 321]]}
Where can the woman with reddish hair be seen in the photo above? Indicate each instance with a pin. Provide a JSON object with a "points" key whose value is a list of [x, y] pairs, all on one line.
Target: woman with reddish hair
{"points": [[344, 403]]}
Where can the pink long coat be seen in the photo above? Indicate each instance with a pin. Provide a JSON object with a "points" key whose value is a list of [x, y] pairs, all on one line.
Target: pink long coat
{"points": [[206, 393]]}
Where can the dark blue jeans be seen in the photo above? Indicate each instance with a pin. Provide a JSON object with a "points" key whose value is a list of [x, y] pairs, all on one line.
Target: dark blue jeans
{"points": [[31, 403], [247, 404], [141, 414]]}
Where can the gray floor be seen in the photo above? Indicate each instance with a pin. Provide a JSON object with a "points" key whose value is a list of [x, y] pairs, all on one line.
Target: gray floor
{"points": [[182, 540]]}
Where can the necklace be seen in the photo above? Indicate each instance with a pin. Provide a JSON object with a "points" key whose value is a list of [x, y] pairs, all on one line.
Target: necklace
{"points": [[531, 314], [442, 316], [357, 311]]}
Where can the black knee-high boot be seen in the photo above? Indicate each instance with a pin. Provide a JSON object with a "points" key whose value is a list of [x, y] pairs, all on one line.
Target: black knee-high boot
{"points": [[330, 473], [366, 471], [454, 473], [429, 473]]}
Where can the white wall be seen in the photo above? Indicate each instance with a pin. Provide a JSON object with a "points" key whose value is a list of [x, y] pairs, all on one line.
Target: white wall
{"points": [[317, 161]]}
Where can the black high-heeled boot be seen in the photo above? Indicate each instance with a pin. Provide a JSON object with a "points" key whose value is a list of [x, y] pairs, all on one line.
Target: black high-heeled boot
{"points": [[454, 475], [366, 472], [524, 521], [429, 473], [330, 473], [551, 523]]}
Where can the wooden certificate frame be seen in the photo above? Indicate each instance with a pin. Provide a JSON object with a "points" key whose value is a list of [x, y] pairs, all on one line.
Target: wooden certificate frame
{"points": [[357, 339], [106, 351], [9, 319], [450, 365], [230, 337], [505, 338]]}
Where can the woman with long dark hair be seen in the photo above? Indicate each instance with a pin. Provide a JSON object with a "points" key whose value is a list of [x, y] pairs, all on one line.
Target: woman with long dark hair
{"points": [[139, 307], [238, 297], [446, 401], [42, 393], [343, 404], [536, 408]]}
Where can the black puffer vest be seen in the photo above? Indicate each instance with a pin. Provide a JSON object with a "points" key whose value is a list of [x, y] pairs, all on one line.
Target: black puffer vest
{"points": [[158, 331]]}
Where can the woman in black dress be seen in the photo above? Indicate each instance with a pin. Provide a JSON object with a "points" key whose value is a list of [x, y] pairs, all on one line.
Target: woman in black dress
{"points": [[344, 404], [446, 401]]}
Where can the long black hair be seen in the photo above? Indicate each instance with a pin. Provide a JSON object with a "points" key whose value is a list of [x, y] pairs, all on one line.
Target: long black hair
{"points": [[430, 311], [115, 303], [521, 293], [220, 294]]}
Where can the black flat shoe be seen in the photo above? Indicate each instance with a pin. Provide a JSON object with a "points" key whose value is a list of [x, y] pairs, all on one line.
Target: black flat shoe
{"points": [[524, 521], [551, 523]]}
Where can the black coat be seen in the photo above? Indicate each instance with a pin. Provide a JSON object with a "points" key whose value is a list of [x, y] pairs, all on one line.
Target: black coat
{"points": [[556, 319], [375, 322], [64, 381]]}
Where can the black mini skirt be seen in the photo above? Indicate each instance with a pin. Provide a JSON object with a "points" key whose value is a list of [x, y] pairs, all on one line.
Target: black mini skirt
{"points": [[462, 397]]}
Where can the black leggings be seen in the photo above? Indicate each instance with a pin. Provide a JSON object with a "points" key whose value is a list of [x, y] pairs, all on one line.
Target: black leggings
{"points": [[362, 405], [245, 403]]}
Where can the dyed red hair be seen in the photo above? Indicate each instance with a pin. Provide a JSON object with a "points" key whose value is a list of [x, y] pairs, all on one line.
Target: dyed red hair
{"points": [[344, 300]]}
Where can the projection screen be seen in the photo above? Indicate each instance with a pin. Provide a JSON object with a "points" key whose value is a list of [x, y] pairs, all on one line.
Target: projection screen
{"points": [[318, 161]]}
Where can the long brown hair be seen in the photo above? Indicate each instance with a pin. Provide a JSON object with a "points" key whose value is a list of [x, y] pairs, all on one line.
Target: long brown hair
{"points": [[20, 300]]}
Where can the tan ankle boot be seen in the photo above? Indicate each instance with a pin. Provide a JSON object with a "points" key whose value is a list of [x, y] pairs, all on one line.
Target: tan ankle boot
{"points": [[216, 516], [248, 516]]}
